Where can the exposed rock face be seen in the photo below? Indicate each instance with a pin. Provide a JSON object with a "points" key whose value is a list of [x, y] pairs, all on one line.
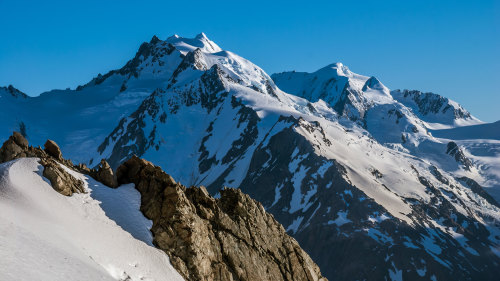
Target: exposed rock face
{"points": [[106, 175], [231, 238], [430, 103], [454, 150], [61, 180], [53, 149]]}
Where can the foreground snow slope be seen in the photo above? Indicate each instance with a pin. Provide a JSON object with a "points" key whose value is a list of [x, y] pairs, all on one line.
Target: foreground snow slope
{"points": [[47, 236]]}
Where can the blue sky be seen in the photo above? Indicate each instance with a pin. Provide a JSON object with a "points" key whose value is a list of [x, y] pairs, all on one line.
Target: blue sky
{"points": [[448, 47]]}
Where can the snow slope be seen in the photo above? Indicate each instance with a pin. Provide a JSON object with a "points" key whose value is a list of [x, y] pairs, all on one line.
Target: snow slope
{"points": [[481, 144], [47, 236]]}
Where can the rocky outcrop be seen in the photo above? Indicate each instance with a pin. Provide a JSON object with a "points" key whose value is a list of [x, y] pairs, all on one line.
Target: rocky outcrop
{"points": [[106, 175], [53, 149], [51, 159], [230, 238], [14, 147], [61, 180], [454, 150]]}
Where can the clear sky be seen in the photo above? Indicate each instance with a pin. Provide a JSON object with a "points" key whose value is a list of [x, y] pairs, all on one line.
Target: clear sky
{"points": [[448, 47]]}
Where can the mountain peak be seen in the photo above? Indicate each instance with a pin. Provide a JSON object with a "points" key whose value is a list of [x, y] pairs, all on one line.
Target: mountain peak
{"points": [[338, 67], [186, 45], [201, 36], [154, 40]]}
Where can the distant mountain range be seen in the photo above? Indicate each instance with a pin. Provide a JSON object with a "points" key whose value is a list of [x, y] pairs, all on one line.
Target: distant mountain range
{"points": [[374, 184]]}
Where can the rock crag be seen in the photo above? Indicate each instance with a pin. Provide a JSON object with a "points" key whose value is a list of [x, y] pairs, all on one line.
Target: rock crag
{"points": [[230, 238], [50, 158], [105, 174]]}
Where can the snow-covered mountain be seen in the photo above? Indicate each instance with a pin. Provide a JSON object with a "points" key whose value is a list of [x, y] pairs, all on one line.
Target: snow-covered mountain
{"points": [[408, 121], [352, 95], [350, 168]]}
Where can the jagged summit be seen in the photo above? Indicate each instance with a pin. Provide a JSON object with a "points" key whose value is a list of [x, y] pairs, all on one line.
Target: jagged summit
{"points": [[154, 40], [12, 91], [186, 45], [434, 108]]}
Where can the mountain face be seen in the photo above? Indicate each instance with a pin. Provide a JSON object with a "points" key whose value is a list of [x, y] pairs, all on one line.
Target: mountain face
{"points": [[421, 124], [351, 169]]}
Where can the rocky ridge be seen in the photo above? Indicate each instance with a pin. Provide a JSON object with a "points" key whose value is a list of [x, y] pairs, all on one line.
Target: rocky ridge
{"points": [[52, 160], [62, 181], [230, 238]]}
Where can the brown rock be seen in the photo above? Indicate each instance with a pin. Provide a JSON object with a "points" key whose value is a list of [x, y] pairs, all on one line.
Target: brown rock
{"points": [[20, 140], [53, 149], [105, 175], [82, 168], [17, 147], [61, 180], [231, 238], [14, 147]]}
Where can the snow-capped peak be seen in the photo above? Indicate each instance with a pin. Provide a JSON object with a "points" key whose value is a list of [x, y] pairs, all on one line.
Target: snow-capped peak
{"points": [[201, 36], [201, 41], [339, 68]]}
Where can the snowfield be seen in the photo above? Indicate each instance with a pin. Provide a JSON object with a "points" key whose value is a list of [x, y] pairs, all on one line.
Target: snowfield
{"points": [[47, 236]]}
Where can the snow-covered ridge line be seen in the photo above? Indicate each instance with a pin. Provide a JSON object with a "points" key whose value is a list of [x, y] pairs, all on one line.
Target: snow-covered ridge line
{"points": [[72, 238]]}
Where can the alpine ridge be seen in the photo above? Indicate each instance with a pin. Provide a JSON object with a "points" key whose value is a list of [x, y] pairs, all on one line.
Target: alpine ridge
{"points": [[373, 184]]}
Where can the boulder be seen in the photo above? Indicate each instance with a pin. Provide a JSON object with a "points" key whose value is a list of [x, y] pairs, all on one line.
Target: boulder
{"points": [[106, 175], [53, 149], [14, 147]]}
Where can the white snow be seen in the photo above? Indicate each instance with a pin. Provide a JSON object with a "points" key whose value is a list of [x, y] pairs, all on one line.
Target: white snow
{"points": [[47, 236]]}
